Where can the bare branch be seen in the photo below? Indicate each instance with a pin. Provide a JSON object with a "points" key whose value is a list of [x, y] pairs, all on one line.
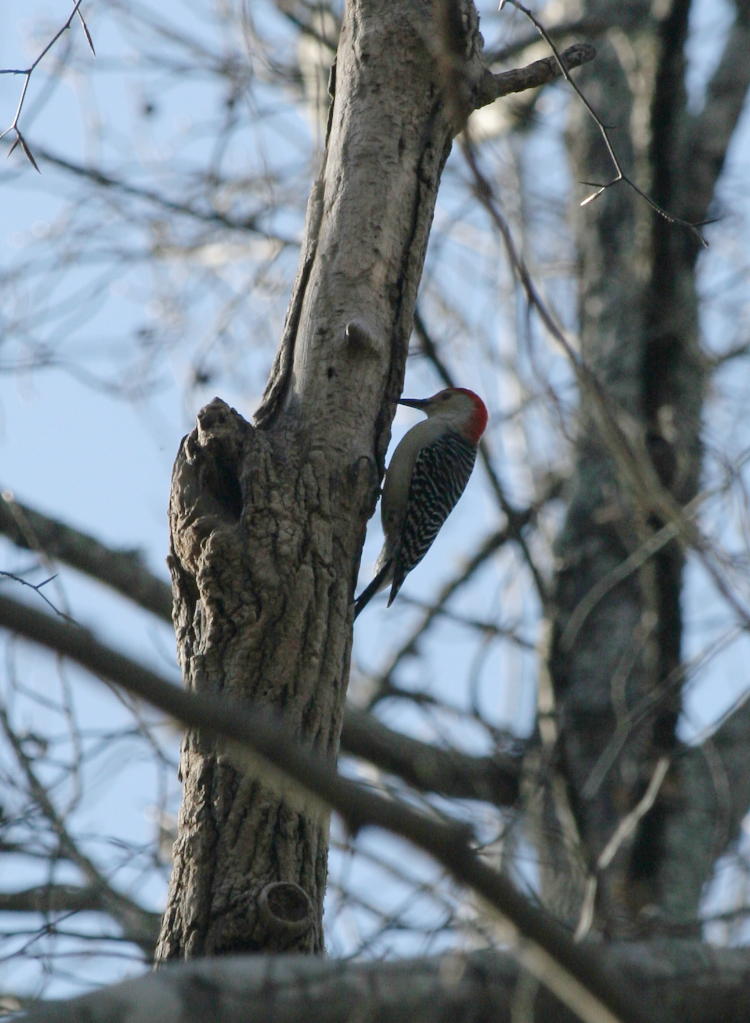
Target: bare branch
{"points": [[420, 764], [578, 977], [26, 73], [123, 571], [66, 898], [127, 913], [681, 981], [619, 173], [209, 216], [37, 588], [493, 779], [534, 75], [621, 834], [626, 448]]}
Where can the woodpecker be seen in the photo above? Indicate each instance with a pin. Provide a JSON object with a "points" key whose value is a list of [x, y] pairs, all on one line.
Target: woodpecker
{"points": [[427, 474]]}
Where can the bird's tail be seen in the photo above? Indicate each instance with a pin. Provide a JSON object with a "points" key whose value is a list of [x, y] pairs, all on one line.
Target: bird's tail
{"points": [[381, 579]]}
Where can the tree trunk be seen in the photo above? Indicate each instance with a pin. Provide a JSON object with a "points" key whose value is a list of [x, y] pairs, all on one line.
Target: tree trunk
{"points": [[267, 521], [615, 671]]}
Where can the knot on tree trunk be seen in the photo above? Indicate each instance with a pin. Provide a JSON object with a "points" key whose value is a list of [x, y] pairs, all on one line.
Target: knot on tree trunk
{"points": [[285, 909], [206, 488], [274, 916]]}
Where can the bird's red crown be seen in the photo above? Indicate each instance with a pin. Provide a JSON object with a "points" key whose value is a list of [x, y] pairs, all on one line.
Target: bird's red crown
{"points": [[478, 421]]}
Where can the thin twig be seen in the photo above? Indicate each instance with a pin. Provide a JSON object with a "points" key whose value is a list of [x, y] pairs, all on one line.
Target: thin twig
{"points": [[37, 587], [622, 832], [619, 173], [26, 73], [127, 913]]}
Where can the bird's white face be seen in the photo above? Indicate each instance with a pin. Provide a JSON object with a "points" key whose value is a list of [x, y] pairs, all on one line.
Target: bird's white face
{"points": [[450, 405], [453, 408]]}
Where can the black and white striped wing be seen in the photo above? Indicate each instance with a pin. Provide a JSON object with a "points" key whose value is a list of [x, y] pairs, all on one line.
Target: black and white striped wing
{"points": [[441, 472]]}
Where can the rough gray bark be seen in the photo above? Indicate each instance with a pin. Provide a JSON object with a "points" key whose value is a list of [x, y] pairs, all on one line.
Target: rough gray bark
{"points": [[615, 656], [685, 982], [267, 521]]}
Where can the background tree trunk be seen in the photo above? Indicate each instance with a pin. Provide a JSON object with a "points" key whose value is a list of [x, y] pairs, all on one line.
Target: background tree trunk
{"points": [[615, 661]]}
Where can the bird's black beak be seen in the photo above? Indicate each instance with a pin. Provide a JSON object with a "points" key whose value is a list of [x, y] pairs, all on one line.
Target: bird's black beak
{"points": [[413, 402]]}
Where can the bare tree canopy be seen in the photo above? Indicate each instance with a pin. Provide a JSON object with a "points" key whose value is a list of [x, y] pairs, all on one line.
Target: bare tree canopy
{"points": [[518, 793]]}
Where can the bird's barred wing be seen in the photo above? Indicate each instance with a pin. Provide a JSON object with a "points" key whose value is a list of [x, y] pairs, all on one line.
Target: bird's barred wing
{"points": [[441, 472]]}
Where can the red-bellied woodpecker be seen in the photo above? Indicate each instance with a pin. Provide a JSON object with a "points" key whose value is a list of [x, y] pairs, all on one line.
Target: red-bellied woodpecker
{"points": [[426, 476]]}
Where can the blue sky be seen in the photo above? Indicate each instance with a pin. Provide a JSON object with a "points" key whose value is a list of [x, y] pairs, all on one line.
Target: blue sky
{"points": [[102, 463]]}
